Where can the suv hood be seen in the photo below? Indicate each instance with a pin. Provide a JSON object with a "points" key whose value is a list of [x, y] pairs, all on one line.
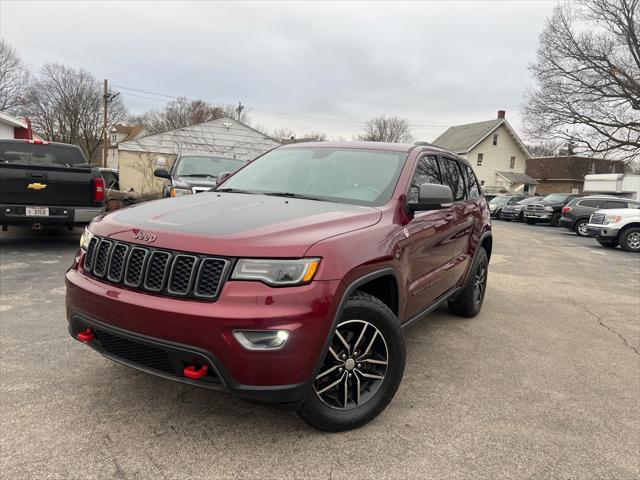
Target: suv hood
{"points": [[235, 224]]}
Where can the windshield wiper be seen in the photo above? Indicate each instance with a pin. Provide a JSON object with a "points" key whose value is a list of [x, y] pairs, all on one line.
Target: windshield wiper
{"points": [[234, 190], [200, 175], [295, 195]]}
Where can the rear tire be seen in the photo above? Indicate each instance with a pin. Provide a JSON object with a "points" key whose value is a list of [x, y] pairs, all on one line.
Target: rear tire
{"points": [[608, 243], [351, 391], [468, 302], [580, 227], [630, 239], [555, 220]]}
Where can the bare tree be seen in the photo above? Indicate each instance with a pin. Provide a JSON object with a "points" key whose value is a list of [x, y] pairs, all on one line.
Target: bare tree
{"points": [[13, 77], [587, 72], [547, 148], [183, 112], [66, 105], [383, 129]]}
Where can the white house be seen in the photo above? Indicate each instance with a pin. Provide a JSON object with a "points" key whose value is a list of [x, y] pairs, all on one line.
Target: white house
{"points": [[12, 127], [117, 134], [224, 137], [495, 151]]}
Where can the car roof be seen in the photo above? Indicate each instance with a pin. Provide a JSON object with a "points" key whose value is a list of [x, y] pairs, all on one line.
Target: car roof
{"points": [[391, 147]]}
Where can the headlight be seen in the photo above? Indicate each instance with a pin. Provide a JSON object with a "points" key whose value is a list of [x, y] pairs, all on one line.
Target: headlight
{"points": [[178, 192], [548, 209], [85, 239], [612, 219], [276, 272], [492, 207]]}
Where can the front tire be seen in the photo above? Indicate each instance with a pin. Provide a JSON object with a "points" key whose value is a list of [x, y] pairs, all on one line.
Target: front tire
{"points": [[630, 239], [608, 243], [468, 302], [362, 369]]}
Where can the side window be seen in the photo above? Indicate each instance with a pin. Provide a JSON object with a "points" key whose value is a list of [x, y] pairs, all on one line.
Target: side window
{"points": [[495, 138], [427, 171], [614, 204], [512, 163], [590, 203], [472, 183], [452, 177], [634, 205], [480, 159]]}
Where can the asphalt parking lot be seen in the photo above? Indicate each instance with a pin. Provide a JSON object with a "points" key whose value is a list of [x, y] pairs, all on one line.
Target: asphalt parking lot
{"points": [[545, 383]]}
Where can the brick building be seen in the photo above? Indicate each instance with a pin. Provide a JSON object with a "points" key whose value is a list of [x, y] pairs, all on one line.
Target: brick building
{"points": [[566, 173]]}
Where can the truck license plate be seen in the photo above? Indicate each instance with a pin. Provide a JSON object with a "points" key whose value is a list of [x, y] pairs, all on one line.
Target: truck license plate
{"points": [[37, 211]]}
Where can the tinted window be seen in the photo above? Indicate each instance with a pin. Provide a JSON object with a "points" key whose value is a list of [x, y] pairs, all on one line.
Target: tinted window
{"points": [[590, 203], [200, 166], [346, 175], [427, 171], [41, 154], [472, 183], [615, 204], [452, 177]]}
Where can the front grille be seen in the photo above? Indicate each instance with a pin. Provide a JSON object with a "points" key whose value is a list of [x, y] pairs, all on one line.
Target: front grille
{"points": [[134, 352], [597, 219], [155, 270], [535, 208]]}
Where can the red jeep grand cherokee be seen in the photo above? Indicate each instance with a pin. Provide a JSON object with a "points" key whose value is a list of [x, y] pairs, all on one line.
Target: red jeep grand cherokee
{"points": [[290, 283]]}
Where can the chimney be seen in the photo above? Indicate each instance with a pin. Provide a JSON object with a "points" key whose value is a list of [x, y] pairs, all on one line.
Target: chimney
{"points": [[501, 113]]}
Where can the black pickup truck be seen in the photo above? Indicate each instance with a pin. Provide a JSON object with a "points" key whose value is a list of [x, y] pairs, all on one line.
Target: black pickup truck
{"points": [[549, 209], [44, 183]]}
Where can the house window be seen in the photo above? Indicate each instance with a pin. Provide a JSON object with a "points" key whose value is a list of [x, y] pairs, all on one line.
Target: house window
{"points": [[512, 163], [480, 158], [114, 138], [482, 183], [495, 138]]}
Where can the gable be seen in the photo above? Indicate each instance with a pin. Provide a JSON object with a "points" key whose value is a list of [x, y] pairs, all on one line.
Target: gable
{"points": [[224, 136]]}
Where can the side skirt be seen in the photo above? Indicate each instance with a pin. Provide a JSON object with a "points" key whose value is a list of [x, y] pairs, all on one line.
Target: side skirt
{"points": [[439, 301]]}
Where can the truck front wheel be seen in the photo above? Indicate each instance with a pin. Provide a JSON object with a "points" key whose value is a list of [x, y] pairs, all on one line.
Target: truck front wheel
{"points": [[630, 239]]}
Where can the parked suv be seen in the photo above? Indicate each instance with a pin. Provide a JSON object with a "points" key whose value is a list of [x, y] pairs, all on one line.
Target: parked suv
{"points": [[617, 227], [293, 281], [576, 213], [549, 209], [497, 204], [195, 173], [516, 211]]}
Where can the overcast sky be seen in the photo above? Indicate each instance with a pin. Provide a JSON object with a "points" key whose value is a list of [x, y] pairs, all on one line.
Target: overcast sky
{"points": [[324, 66]]}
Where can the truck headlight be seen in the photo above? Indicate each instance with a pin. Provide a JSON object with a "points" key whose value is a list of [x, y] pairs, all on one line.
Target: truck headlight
{"points": [[178, 192], [276, 272], [612, 219], [85, 239], [548, 209]]}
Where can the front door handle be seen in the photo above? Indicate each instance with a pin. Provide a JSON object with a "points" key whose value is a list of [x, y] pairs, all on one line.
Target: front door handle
{"points": [[449, 217]]}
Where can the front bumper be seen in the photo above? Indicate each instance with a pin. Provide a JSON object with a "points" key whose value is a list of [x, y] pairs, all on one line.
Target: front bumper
{"points": [[204, 331], [538, 216], [58, 215], [602, 231], [510, 215]]}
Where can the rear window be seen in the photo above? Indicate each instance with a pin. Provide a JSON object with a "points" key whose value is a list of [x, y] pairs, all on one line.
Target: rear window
{"points": [[41, 154]]}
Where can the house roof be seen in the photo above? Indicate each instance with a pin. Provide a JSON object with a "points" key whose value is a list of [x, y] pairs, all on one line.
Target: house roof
{"points": [[464, 138], [224, 136], [131, 131], [13, 121], [570, 167], [517, 177]]}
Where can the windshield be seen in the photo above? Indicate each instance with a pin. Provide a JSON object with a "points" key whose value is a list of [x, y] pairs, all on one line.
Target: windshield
{"points": [[498, 200], [555, 197], [362, 177], [529, 200], [201, 166], [41, 154]]}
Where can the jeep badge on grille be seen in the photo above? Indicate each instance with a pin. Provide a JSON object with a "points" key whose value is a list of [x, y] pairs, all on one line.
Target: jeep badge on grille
{"points": [[145, 237]]}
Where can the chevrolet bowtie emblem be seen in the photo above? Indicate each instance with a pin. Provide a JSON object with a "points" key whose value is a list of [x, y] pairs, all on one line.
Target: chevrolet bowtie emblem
{"points": [[37, 186]]}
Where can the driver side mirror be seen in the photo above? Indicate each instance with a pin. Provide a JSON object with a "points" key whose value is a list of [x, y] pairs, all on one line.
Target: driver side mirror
{"points": [[162, 173], [222, 176], [432, 196]]}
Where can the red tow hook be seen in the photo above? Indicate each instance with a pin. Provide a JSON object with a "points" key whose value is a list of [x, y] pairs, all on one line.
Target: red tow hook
{"points": [[191, 372], [86, 336]]}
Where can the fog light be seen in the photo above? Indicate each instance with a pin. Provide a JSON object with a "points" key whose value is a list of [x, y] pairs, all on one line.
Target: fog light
{"points": [[261, 339]]}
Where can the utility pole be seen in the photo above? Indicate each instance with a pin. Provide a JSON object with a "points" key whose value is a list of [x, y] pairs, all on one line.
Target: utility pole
{"points": [[239, 109], [105, 98]]}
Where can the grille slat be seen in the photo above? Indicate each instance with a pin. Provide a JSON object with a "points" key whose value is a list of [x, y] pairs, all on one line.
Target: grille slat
{"points": [[597, 219], [155, 270]]}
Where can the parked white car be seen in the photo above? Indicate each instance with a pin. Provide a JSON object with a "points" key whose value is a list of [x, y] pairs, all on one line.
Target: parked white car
{"points": [[620, 226]]}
